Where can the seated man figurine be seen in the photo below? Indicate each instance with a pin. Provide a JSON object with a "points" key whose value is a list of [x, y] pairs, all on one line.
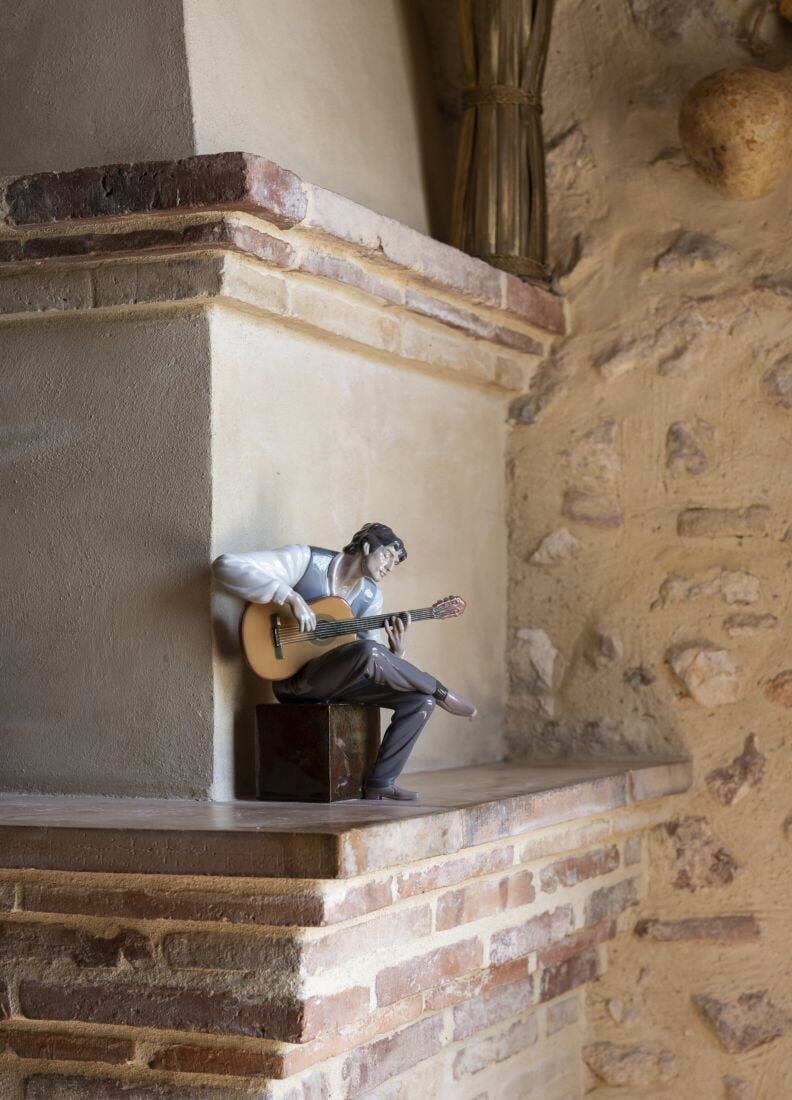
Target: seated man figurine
{"points": [[362, 671]]}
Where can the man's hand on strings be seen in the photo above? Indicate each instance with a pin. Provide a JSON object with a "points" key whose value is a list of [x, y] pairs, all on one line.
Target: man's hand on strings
{"points": [[302, 612], [396, 628]]}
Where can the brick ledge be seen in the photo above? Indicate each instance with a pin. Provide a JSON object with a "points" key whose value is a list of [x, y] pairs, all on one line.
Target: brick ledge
{"points": [[460, 808], [243, 182]]}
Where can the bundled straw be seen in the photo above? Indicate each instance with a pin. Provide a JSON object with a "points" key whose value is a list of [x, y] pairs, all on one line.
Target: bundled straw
{"points": [[499, 210]]}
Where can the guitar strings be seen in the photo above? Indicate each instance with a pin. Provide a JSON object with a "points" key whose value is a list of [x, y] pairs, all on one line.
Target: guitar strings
{"points": [[336, 628]]}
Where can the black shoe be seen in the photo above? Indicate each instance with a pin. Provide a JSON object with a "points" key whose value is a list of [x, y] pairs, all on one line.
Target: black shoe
{"points": [[399, 794]]}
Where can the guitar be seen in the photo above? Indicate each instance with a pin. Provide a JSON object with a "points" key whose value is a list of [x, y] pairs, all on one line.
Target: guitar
{"points": [[276, 648]]}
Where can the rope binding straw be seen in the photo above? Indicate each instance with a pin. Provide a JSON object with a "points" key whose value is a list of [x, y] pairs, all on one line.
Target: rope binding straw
{"points": [[499, 95]]}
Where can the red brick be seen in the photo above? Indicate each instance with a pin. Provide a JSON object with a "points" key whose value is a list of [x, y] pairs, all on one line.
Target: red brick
{"points": [[181, 1058], [161, 904], [422, 972], [578, 942], [451, 871], [575, 971], [470, 323], [208, 181], [272, 250], [69, 1087], [735, 929], [447, 267], [337, 1010], [532, 935], [349, 273], [28, 939], [347, 902], [492, 1007], [357, 940], [466, 988], [192, 1009], [65, 1047], [609, 900], [378, 1022], [477, 1054], [534, 305], [568, 872], [481, 899], [232, 951], [370, 1065], [219, 234]]}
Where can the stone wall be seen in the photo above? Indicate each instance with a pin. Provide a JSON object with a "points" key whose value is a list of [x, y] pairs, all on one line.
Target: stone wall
{"points": [[650, 539]]}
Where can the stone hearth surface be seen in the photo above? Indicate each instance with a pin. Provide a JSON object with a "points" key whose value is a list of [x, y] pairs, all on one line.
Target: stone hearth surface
{"points": [[459, 808]]}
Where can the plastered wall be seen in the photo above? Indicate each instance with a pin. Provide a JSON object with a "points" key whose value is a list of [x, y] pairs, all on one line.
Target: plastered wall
{"points": [[338, 92], [311, 440], [105, 653], [650, 511], [90, 82]]}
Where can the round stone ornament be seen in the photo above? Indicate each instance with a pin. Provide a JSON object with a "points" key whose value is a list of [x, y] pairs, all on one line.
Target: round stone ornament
{"points": [[735, 127]]}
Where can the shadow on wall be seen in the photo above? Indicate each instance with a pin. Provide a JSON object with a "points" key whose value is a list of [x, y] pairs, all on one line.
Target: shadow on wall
{"points": [[436, 143], [249, 690]]}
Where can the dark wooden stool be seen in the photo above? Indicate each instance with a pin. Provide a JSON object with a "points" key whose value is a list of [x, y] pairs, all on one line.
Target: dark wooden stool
{"points": [[314, 752]]}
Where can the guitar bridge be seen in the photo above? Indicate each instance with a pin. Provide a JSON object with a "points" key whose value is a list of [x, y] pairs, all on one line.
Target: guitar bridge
{"points": [[276, 636]]}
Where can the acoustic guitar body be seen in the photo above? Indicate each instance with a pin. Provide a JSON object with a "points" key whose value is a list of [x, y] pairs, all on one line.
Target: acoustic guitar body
{"points": [[265, 624]]}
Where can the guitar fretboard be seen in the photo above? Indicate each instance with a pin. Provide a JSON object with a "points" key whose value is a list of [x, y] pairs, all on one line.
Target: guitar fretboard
{"points": [[373, 622]]}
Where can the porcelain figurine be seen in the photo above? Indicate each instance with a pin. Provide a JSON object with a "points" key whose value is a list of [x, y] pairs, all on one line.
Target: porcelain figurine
{"points": [[360, 671]]}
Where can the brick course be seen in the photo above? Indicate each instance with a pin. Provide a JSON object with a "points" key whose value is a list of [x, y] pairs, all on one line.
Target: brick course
{"points": [[470, 903], [376, 1062], [610, 900], [65, 1046], [236, 1003], [427, 970], [568, 872], [163, 904], [20, 939], [532, 935], [277, 1017]]}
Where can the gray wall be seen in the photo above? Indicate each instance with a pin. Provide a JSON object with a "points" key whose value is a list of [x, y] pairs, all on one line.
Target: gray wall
{"points": [[105, 505], [92, 82]]}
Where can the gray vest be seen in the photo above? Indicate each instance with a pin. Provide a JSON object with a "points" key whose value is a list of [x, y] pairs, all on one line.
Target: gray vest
{"points": [[314, 583]]}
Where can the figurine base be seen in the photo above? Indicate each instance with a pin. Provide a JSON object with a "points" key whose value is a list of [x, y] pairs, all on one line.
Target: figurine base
{"points": [[315, 752]]}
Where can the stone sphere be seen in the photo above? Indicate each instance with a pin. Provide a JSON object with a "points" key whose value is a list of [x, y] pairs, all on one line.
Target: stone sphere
{"points": [[736, 129]]}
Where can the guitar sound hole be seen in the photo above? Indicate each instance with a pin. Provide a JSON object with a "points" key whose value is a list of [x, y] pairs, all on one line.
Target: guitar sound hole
{"points": [[321, 637]]}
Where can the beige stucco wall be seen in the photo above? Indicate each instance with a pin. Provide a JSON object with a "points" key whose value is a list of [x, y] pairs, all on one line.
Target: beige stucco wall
{"points": [[311, 439], [671, 393], [105, 647], [338, 92], [91, 82]]}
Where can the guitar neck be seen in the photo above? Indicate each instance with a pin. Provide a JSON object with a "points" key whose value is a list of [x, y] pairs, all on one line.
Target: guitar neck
{"points": [[372, 622]]}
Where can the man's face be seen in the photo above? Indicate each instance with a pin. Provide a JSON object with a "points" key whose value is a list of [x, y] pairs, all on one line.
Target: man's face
{"points": [[378, 563]]}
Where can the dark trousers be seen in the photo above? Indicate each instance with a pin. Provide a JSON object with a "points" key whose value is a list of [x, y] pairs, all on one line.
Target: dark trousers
{"points": [[367, 672]]}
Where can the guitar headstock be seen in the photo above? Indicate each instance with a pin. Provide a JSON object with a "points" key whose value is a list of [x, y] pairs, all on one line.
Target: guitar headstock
{"points": [[449, 607]]}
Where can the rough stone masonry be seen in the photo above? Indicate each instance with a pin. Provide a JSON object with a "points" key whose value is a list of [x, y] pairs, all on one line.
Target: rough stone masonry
{"points": [[651, 502]]}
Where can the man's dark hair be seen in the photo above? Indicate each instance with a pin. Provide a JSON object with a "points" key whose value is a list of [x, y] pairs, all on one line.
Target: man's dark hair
{"points": [[376, 535]]}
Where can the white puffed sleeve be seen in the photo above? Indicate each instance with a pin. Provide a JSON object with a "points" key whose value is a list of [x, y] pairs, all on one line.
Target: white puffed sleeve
{"points": [[263, 576]]}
